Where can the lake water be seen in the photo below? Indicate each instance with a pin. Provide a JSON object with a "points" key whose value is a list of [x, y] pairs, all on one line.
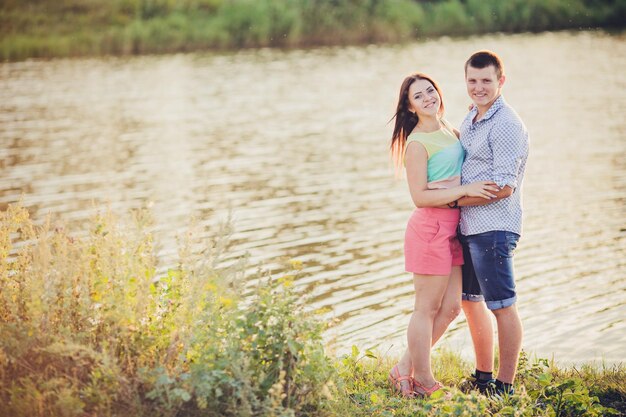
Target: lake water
{"points": [[295, 144]]}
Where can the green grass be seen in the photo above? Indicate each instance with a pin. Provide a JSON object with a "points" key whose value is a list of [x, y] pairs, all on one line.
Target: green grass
{"points": [[91, 326], [542, 389], [58, 28]]}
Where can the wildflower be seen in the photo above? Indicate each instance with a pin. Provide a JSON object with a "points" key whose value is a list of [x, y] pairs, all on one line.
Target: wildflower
{"points": [[296, 264], [286, 281], [225, 302]]}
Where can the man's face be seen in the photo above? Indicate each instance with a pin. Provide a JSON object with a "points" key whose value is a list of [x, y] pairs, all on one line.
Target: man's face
{"points": [[483, 85]]}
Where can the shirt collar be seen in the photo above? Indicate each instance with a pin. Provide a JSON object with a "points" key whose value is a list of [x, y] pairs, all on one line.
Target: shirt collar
{"points": [[497, 104]]}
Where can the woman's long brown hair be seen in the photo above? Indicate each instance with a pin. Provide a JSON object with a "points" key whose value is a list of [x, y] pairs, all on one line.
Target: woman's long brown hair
{"points": [[405, 119]]}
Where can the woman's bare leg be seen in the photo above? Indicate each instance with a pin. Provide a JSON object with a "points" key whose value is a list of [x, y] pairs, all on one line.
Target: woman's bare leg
{"points": [[450, 305], [429, 293], [448, 311]]}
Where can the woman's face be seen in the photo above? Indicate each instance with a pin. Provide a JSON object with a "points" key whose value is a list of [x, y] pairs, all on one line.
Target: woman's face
{"points": [[423, 98]]}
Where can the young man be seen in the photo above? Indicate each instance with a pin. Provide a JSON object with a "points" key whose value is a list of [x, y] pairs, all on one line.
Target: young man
{"points": [[496, 145]]}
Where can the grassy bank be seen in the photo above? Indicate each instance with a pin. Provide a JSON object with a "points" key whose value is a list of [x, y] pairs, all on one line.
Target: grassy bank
{"points": [[55, 28], [88, 327], [542, 389]]}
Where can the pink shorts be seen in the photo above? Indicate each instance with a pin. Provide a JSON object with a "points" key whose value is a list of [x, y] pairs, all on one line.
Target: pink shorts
{"points": [[430, 243]]}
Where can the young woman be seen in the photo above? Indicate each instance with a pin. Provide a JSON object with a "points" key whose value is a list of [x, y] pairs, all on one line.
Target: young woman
{"points": [[429, 148]]}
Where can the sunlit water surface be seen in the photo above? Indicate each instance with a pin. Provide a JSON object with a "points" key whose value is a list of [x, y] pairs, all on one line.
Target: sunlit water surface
{"points": [[295, 144]]}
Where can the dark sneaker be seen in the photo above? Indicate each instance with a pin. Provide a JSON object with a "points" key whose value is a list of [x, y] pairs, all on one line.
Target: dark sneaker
{"points": [[497, 390], [490, 387], [474, 384]]}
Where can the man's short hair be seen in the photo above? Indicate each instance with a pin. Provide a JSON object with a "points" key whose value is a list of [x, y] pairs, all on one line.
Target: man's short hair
{"points": [[485, 58]]}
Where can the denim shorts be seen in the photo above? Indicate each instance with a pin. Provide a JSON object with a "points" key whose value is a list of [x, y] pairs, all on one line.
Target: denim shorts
{"points": [[488, 268]]}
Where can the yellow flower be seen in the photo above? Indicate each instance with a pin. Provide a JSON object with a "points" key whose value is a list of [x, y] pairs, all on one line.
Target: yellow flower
{"points": [[225, 302], [296, 264], [286, 281]]}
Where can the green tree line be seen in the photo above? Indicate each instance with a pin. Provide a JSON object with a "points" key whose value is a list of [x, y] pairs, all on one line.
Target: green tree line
{"points": [[52, 28]]}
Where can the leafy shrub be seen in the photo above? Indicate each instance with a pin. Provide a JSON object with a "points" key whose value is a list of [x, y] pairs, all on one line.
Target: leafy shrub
{"points": [[89, 327]]}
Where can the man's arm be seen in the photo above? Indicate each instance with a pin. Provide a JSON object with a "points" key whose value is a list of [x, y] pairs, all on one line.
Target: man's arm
{"points": [[509, 142], [504, 192]]}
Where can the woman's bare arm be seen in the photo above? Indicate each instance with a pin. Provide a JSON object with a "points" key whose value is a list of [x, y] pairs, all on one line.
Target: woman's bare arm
{"points": [[416, 159]]}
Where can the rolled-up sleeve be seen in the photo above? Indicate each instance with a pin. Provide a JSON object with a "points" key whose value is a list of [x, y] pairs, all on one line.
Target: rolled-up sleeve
{"points": [[509, 143]]}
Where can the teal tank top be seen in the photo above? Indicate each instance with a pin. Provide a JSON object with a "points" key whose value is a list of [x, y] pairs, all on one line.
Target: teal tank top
{"points": [[445, 156]]}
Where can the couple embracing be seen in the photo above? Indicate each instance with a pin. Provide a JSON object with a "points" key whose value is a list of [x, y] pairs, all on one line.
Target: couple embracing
{"points": [[460, 239]]}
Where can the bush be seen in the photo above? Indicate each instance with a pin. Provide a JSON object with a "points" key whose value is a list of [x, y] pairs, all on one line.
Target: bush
{"points": [[400, 20], [448, 18], [89, 327]]}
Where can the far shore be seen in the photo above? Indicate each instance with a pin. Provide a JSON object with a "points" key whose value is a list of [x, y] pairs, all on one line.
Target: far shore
{"points": [[77, 28]]}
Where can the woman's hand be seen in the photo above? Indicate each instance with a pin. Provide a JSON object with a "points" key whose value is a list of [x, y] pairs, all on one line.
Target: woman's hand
{"points": [[481, 189]]}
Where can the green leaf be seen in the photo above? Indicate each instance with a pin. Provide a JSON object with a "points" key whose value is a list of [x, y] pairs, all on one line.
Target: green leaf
{"points": [[544, 379], [182, 394], [294, 347], [355, 351], [370, 354], [507, 411], [437, 394], [152, 394], [164, 379], [567, 384]]}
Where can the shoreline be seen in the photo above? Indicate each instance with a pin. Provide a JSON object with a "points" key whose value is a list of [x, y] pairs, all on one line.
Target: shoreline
{"points": [[287, 50], [465, 353], [76, 28]]}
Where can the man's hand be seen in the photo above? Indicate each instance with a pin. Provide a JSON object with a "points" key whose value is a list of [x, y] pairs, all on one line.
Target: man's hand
{"points": [[504, 192]]}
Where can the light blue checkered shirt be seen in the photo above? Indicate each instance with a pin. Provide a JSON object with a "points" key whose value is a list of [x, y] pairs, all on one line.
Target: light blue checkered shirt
{"points": [[496, 148]]}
